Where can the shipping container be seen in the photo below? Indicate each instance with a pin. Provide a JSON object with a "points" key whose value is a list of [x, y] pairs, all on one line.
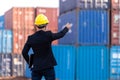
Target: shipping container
{"points": [[115, 63], [18, 40], [5, 65], [1, 41], [92, 63], [89, 27], [2, 26], [15, 41], [21, 38], [29, 16], [67, 5], [19, 17], [115, 27], [65, 57], [115, 4], [18, 66], [27, 69], [6, 41], [9, 43], [52, 15], [21, 21]]}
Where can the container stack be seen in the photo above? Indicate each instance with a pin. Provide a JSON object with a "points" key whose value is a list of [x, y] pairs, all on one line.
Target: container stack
{"points": [[89, 34], [115, 40], [5, 65], [15, 26], [90, 22], [20, 21], [89, 51], [5, 49]]}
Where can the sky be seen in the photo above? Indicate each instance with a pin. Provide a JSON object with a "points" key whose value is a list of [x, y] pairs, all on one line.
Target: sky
{"points": [[7, 4]]}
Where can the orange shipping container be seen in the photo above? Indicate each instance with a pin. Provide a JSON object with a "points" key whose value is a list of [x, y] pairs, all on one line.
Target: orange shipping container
{"points": [[52, 14], [18, 18], [15, 41], [29, 16], [21, 21], [115, 28], [115, 4]]}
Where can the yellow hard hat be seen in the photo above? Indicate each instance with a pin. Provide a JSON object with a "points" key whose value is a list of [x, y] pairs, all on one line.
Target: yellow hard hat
{"points": [[41, 19]]}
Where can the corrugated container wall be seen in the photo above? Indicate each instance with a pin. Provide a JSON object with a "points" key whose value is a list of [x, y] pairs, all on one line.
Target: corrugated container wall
{"points": [[21, 21], [67, 5], [5, 65], [89, 27], [6, 39], [52, 15], [92, 63], [115, 63], [1, 41], [2, 25], [115, 4], [65, 57], [115, 27], [18, 66], [27, 69]]}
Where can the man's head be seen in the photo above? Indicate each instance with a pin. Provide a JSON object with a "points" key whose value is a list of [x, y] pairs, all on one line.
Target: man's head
{"points": [[41, 21]]}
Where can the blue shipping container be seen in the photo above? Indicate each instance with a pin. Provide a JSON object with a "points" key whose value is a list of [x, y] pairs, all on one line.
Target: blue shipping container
{"points": [[92, 63], [115, 63], [2, 22], [65, 56], [27, 70], [18, 65], [67, 5], [89, 27], [9, 41], [5, 65], [1, 41], [6, 41]]}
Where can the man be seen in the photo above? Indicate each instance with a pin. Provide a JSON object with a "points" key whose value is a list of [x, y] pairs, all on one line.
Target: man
{"points": [[43, 59]]}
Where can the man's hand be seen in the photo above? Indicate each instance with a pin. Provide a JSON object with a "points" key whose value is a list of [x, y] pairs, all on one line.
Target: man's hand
{"points": [[68, 25]]}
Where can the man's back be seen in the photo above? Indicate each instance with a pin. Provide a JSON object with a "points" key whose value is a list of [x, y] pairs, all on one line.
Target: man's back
{"points": [[40, 42], [41, 45]]}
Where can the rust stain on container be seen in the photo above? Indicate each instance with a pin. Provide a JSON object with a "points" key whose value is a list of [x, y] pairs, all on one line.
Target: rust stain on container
{"points": [[15, 41], [115, 27]]}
